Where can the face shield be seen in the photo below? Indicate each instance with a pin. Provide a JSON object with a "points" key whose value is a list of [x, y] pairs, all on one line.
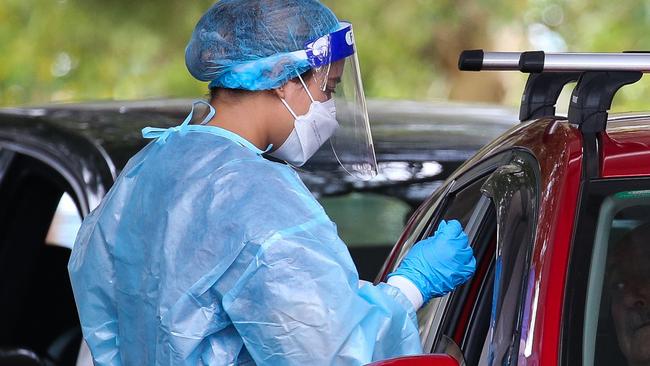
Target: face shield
{"points": [[335, 67]]}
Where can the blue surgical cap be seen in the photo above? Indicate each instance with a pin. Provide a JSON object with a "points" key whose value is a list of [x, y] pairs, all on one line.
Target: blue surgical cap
{"points": [[248, 44]]}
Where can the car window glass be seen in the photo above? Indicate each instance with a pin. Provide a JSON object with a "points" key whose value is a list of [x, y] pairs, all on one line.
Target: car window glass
{"points": [[367, 219], [514, 191], [65, 224], [6, 157], [462, 204], [617, 307], [369, 224], [460, 207]]}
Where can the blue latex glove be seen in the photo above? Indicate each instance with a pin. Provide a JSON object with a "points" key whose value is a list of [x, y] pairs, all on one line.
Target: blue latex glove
{"points": [[438, 264]]}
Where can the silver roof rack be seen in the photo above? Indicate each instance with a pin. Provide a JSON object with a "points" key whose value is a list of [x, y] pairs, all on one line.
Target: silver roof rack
{"points": [[478, 60], [540, 61], [599, 76]]}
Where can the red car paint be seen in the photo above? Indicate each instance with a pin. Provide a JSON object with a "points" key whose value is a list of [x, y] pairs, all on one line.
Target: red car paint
{"points": [[558, 147], [626, 148], [431, 360]]}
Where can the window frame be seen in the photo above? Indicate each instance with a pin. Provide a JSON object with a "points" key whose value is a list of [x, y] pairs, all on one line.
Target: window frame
{"points": [[421, 225], [476, 330], [433, 329], [522, 246], [593, 193]]}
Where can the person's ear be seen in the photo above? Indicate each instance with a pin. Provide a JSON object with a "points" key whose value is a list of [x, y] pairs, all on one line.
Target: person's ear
{"points": [[289, 89], [286, 90], [281, 91]]}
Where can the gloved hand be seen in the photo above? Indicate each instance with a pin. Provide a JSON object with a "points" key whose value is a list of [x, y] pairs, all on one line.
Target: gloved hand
{"points": [[438, 264]]}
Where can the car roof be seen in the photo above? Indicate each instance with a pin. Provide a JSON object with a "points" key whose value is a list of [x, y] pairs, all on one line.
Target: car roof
{"points": [[405, 132], [625, 145], [401, 129]]}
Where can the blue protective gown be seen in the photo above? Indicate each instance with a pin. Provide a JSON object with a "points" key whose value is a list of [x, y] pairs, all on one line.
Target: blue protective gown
{"points": [[205, 253]]}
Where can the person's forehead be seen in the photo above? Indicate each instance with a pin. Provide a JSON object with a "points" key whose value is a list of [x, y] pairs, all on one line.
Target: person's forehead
{"points": [[634, 250], [631, 263]]}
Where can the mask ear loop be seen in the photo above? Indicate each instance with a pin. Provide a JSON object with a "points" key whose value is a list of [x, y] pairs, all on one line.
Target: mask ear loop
{"points": [[308, 93], [289, 108], [306, 89]]}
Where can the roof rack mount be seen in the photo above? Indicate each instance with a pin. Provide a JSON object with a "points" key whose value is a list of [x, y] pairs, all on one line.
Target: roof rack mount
{"points": [[593, 95], [599, 75], [542, 92]]}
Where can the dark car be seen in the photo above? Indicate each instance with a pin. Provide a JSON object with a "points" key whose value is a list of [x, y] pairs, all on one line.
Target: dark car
{"points": [[557, 211], [58, 161]]}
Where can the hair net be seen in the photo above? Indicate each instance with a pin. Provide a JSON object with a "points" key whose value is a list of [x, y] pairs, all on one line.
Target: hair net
{"points": [[248, 44]]}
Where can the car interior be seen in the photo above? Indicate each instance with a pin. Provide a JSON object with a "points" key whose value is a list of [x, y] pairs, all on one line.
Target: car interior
{"points": [[37, 312], [619, 214]]}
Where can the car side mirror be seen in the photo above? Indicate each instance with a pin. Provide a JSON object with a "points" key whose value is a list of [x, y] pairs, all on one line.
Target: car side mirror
{"points": [[423, 360]]}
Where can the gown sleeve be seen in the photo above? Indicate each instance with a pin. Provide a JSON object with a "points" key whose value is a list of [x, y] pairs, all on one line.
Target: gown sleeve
{"points": [[90, 265], [300, 302]]}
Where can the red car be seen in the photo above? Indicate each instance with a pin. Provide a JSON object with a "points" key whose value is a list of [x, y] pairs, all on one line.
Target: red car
{"points": [[558, 213]]}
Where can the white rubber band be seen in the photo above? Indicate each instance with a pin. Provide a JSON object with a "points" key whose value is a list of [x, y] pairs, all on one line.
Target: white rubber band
{"points": [[408, 289]]}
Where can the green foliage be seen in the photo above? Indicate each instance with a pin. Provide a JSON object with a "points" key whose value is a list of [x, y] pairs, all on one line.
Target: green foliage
{"points": [[64, 50]]}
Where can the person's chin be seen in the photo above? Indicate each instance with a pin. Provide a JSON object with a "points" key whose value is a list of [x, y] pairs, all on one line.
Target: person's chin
{"points": [[640, 346]]}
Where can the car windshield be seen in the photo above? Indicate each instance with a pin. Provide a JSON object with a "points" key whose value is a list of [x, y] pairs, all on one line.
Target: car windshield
{"points": [[617, 314]]}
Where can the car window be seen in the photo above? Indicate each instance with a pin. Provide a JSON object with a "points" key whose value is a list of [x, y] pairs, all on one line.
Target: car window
{"points": [[514, 190], [65, 224], [484, 316], [37, 311], [617, 306], [367, 219], [460, 199], [369, 224], [460, 206]]}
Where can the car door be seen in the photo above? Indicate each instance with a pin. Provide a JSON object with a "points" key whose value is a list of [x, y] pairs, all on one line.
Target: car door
{"points": [[496, 202], [606, 319]]}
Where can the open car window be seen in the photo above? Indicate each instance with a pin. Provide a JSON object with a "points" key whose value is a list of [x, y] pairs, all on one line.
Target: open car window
{"points": [[483, 318], [617, 307], [467, 206], [37, 310]]}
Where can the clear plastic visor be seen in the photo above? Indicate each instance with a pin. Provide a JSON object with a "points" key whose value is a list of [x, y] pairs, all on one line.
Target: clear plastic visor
{"points": [[340, 79]]}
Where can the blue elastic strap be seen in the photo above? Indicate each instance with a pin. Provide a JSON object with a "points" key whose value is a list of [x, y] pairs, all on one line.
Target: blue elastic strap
{"points": [[161, 134]]}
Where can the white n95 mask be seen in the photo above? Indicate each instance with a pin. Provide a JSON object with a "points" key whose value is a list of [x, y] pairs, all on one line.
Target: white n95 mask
{"points": [[310, 131]]}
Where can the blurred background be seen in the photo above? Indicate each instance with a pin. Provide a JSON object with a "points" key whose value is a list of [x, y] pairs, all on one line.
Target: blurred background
{"points": [[79, 50]]}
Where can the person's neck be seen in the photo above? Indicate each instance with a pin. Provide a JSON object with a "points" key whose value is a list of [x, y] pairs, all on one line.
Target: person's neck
{"points": [[242, 119]]}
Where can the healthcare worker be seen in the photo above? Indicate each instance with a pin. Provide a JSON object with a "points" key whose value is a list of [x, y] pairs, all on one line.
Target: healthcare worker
{"points": [[205, 252]]}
